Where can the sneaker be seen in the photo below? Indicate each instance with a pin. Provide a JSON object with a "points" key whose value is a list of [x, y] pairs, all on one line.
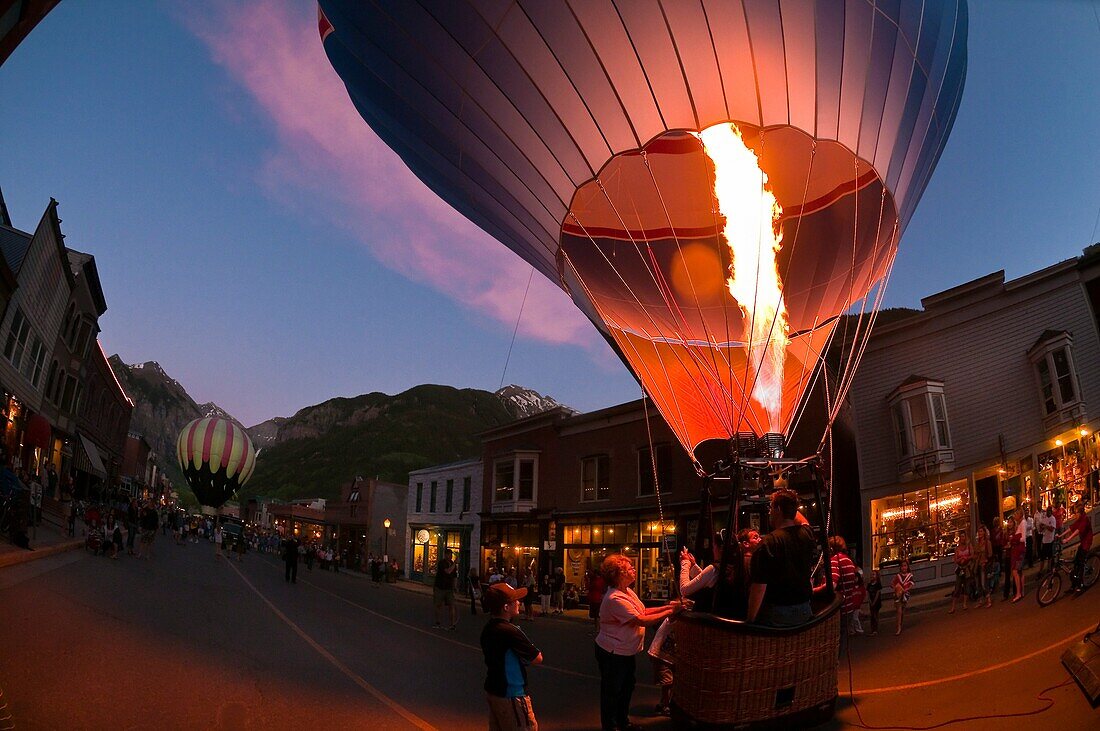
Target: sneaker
{"points": [[452, 628], [437, 625]]}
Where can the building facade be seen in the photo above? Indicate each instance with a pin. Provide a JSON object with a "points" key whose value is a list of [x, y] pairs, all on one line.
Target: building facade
{"points": [[566, 490], [61, 403], [984, 402], [443, 506]]}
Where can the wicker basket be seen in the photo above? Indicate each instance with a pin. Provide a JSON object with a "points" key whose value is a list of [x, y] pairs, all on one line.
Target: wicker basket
{"points": [[732, 673]]}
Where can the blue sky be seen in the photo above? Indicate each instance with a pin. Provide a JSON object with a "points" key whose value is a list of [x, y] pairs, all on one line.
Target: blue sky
{"points": [[243, 246]]}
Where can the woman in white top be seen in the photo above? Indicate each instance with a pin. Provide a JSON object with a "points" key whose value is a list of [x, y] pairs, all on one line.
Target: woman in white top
{"points": [[623, 619], [218, 540]]}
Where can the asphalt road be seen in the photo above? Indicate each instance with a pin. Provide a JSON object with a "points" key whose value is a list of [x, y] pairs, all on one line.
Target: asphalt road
{"points": [[190, 641]]}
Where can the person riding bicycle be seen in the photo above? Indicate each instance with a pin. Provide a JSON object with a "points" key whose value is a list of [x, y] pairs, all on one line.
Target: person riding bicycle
{"points": [[1081, 526]]}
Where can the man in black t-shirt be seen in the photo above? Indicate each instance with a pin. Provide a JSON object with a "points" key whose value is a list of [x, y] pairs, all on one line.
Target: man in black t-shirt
{"points": [[508, 652], [781, 567], [443, 591]]}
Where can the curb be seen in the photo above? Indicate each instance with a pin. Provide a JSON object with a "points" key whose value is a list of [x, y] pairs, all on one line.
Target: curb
{"points": [[20, 556]]}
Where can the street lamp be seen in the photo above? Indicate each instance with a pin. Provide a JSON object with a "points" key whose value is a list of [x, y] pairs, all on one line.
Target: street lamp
{"points": [[386, 547]]}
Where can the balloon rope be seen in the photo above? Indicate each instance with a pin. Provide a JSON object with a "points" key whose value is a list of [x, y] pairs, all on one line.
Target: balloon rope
{"points": [[516, 329], [669, 554]]}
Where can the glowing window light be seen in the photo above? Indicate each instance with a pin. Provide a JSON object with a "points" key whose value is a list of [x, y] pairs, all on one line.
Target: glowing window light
{"points": [[906, 511], [945, 503]]}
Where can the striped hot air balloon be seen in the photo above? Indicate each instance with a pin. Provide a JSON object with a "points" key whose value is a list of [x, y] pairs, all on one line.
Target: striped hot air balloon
{"points": [[216, 457]]}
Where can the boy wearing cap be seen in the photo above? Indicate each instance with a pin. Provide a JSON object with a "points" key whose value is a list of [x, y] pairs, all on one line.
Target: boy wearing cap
{"points": [[508, 652]]}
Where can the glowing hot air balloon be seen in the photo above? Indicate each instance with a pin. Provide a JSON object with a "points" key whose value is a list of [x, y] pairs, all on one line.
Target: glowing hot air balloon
{"points": [[715, 183], [216, 457]]}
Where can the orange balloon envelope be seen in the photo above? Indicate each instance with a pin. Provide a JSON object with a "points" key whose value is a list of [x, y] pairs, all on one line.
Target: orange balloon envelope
{"points": [[715, 183]]}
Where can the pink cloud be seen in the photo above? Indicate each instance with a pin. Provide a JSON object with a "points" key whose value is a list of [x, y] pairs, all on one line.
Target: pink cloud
{"points": [[324, 149]]}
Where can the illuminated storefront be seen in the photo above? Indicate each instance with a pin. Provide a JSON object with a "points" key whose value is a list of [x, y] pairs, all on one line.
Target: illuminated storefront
{"points": [[1068, 473], [428, 545], [587, 545], [510, 546], [921, 524]]}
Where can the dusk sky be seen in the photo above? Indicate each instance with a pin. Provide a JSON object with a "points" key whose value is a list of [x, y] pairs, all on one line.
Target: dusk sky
{"points": [[255, 237]]}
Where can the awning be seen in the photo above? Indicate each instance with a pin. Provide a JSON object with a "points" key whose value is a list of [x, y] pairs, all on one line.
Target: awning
{"points": [[87, 459]]}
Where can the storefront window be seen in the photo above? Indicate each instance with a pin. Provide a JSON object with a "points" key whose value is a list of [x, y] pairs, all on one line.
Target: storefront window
{"points": [[655, 574], [921, 524], [1068, 473]]}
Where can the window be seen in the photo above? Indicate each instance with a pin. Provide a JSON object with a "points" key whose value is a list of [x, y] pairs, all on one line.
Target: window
{"points": [[527, 479], [1059, 395], [918, 525], [34, 360], [58, 388], [920, 419], [67, 394], [419, 496], [465, 494], [504, 480], [450, 496], [595, 478], [51, 379], [431, 496], [17, 338], [645, 469]]}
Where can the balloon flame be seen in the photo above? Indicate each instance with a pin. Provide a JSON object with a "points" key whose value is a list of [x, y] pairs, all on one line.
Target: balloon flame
{"points": [[753, 234]]}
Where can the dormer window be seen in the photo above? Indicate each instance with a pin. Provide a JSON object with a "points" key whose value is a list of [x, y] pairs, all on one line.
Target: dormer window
{"points": [[1059, 394], [918, 411]]}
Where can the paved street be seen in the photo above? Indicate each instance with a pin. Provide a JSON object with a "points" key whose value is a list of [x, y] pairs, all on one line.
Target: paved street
{"points": [[187, 640]]}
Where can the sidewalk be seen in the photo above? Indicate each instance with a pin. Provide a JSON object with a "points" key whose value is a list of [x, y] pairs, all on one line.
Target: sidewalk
{"points": [[939, 597], [46, 540]]}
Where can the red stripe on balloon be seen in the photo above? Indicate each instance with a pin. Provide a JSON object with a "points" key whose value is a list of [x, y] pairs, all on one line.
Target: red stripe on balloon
{"points": [[227, 448], [207, 439], [190, 451]]}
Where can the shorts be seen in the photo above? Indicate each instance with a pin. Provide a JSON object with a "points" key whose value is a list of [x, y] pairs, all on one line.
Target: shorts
{"points": [[443, 597], [511, 714], [662, 671], [1046, 550]]}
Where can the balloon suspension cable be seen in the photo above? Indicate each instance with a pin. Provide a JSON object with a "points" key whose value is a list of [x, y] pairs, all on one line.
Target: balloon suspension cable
{"points": [[669, 553], [515, 330]]}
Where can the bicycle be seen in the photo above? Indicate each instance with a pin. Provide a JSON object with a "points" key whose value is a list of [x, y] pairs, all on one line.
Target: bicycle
{"points": [[1050, 585]]}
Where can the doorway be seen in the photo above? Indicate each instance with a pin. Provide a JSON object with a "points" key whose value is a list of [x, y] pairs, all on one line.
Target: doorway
{"points": [[989, 500]]}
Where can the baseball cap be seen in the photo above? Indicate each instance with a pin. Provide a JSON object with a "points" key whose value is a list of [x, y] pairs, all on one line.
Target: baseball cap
{"points": [[499, 595]]}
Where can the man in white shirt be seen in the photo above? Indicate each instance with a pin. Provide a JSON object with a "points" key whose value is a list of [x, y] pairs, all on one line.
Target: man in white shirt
{"points": [[1045, 524], [1029, 532]]}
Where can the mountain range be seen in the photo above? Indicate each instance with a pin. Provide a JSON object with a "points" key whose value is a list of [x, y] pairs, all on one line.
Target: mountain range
{"points": [[312, 452]]}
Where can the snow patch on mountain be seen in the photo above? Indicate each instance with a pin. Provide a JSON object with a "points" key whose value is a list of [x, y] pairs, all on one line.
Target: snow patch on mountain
{"points": [[524, 402]]}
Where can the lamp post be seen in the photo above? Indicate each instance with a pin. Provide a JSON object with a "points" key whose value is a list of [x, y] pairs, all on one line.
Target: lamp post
{"points": [[386, 545]]}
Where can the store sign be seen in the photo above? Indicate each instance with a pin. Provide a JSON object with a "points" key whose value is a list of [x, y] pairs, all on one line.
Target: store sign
{"points": [[668, 545]]}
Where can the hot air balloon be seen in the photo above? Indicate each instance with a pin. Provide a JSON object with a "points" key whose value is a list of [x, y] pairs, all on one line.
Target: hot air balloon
{"points": [[719, 185], [714, 183], [216, 457]]}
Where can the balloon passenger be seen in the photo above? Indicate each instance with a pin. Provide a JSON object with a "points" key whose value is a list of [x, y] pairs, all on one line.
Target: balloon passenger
{"points": [[781, 567]]}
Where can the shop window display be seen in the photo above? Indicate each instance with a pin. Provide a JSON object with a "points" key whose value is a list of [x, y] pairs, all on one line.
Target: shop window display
{"points": [[1068, 473], [923, 524]]}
